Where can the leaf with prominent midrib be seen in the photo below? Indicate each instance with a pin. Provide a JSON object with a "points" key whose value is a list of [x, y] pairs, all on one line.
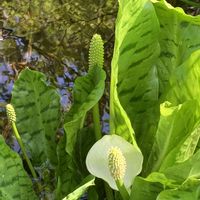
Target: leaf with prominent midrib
{"points": [[14, 181], [151, 43], [37, 107], [134, 81]]}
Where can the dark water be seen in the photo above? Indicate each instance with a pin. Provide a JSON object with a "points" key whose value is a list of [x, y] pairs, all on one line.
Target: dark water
{"points": [[62, 77]]}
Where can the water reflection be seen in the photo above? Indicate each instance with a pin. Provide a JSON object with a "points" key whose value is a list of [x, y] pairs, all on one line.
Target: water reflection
{"points": [[6, 82], [62, 77]]}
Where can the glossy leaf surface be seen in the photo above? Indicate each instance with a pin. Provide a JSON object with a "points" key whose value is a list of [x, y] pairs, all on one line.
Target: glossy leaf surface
{"points": [[134, 81]]}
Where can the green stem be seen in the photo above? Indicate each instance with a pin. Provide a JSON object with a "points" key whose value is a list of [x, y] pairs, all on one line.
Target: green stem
{"points": [[98, 135], [96, 119], [191, 3], [25, 155], [23, 150], [122, 189]]}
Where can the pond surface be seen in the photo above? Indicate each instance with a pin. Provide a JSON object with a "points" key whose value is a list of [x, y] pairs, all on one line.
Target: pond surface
{"points": [[53, 39], [62, 77]]}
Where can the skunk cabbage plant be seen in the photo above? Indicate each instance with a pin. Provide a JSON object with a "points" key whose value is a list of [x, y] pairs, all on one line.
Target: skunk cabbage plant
{"points": [[153, 149]]}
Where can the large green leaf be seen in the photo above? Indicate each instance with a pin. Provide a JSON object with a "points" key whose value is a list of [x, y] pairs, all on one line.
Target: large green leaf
{"points": [[141, 73], [158, 186], [134, 82], [14, 182], [176, 126], [87, 92], [188, 191], [37, 107], [185, 84], [178, 38], [185, 170]]}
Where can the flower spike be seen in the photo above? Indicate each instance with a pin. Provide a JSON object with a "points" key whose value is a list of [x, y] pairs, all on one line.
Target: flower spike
{"points": [[116, 163], [10, 113], [96, 52]]}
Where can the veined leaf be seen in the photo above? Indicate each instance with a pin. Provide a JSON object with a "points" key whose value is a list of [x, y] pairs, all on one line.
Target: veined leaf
{"points": [[188, 191], [141, 73], [157, 177], [178, 38], [186, 170], [14, 181], [176, 125], [87, 92], [185, 81], [185, 85], [37, 107], [149, 188], [134, 82]]}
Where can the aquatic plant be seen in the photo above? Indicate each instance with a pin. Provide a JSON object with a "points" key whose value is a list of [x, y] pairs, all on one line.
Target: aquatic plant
{"points": [[152, 151]]}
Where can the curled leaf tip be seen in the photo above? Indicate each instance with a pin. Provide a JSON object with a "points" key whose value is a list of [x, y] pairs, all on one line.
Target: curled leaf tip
{"points": [[96, 51], [10, 113], [117, 163]]}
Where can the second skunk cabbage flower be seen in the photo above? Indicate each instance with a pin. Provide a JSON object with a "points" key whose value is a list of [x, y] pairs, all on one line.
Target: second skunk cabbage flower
{"points": [[96, 52], [112, 158]]}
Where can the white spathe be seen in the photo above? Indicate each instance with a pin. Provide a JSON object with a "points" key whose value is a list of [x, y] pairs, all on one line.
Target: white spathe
{"points": [[97, 159]]}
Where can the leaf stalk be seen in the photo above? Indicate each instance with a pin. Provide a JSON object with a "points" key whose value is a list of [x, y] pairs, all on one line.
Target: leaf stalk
{"points": [[122, 189]]}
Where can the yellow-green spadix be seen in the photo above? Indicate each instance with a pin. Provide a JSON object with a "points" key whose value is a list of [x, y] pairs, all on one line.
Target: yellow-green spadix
{"points": [[112, 158], [96, 52], [11, 113]]}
